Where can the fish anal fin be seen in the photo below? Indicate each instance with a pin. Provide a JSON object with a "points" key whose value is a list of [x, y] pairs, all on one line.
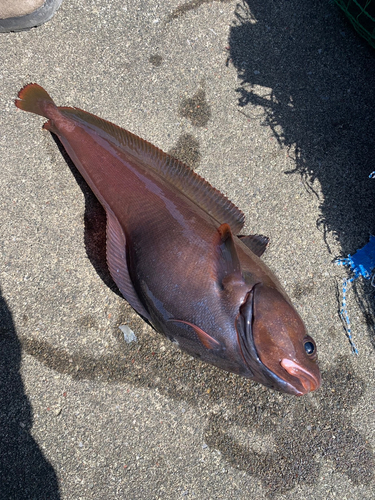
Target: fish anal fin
{"points": [[117, 263], [257, 243], [208, 341]]}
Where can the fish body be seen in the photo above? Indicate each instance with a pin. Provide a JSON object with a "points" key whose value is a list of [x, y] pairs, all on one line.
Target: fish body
{"points": [[173, 252]]}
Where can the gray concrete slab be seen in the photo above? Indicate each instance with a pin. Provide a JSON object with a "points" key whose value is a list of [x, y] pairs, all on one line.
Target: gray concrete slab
{"points": [[273, 102]]}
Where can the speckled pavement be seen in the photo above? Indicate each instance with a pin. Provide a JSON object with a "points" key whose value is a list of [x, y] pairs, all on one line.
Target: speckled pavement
{"points": [[272, 102]]}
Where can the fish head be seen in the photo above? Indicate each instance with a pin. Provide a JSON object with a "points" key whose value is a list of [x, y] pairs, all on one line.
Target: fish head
{"points": [[274, 342]]}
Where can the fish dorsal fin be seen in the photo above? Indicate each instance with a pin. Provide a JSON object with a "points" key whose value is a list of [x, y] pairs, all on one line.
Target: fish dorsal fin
{"points": [[227, 262], [257, 243], [182, 177], [117, 264]]}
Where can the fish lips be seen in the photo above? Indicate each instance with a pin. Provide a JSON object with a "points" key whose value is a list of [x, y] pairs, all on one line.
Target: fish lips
{"points": [[301, 383], [308, 380]]}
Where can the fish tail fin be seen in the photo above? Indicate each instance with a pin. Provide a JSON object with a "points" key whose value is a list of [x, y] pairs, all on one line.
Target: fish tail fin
{"points": [[34, 98]]}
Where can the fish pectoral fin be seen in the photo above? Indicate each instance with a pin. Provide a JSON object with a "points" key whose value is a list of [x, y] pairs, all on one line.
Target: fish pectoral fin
{"points": [[117, 264], [208, 341], [257, 243], [227, 261]]}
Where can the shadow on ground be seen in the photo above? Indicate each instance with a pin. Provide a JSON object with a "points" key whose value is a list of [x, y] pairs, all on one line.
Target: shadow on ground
{"points": [[296, 437], [308, 75], [281, 440], [25, 473]]}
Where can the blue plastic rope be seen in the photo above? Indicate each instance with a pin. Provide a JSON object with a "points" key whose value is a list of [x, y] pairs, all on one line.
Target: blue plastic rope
{"points": [[345, 315], [362, 263]]}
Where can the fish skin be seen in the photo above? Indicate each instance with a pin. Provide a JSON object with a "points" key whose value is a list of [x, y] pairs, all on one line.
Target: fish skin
{"points": [[172, 251]]}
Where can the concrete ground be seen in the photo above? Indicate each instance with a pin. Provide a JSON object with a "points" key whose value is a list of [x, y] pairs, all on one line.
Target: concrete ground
{"points": [[272, 102]]}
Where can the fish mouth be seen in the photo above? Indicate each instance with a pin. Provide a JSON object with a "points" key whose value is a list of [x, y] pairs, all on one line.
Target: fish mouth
{"points": [[256, 369], [307, 380]]}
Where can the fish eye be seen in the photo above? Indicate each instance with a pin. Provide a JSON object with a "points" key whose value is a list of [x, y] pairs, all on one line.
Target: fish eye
{"points": [[309, 346]]}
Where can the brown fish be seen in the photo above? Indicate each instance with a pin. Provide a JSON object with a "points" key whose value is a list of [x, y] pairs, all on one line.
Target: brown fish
{"points": [[173, 252]]}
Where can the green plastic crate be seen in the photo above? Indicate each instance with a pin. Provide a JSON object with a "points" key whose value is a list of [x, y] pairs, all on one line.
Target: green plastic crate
{"points": [[362, 15]]}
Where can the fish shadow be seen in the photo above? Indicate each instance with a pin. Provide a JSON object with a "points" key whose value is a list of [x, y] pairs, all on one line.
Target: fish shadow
{"points": [[309, 76], [25, 472]]}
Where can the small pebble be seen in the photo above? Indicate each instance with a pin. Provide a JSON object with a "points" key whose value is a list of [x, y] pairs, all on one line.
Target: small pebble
{"points": [[129, 335]]}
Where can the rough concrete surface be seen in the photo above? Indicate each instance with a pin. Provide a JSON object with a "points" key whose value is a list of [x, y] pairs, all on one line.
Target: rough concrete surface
{"points": [[272, 102]]}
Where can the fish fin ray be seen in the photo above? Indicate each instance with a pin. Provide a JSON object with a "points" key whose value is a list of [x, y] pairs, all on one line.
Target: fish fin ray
{"points": [[181, 176], [257, 243], [116, 259], [208, 341]]}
